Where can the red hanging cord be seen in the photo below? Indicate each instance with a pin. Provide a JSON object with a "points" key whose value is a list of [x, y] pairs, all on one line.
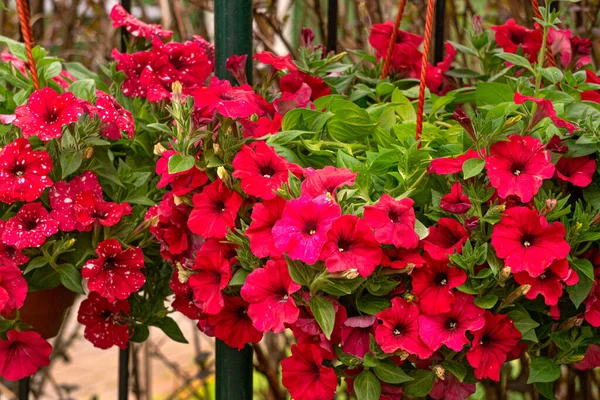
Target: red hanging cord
{"points": [[26, 31], [423, 77], [549, 53], [388, 58]]}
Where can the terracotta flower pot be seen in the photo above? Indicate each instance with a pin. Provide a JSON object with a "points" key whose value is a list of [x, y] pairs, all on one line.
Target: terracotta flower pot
{"points": [[45, 310]]}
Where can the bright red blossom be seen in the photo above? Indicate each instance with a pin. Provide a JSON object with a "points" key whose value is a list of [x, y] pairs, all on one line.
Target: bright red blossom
{"points": [[22, 354], [511, 36], [115, 274], [134, 26], [433, 286], [527, 242], [304, 375], [90, 209], [445, 238], [233, 324], [406, 56], [184, 297], [544, 109], [115, 118], [518, 167], [215, 210], [550, 283], [577, 170], [402, 258], [181, 182], [451, 165], [13, 288], [264, 216], [222, 98], [9, 254], [293, 82], [356, 335], [212, 273], [106, 324], [278, 62], [30, 227], [455, 202], [326, 180], [393, 221]]}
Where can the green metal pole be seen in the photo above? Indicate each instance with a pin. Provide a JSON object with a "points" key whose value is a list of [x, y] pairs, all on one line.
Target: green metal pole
{"points": [[233, 35]]}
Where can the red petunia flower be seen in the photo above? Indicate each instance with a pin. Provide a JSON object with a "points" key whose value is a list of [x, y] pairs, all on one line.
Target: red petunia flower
{"points": [[406, 56], [433, 286], [450, 327], [544, 109], [170, 229], [450, 388], [134, 26], [115, 274], [292, 83], [302, 230], [491, 345], [90, 209], [592, 304], [555, 145], [445, 238], [228, 101], [278, 62], [436, 79], [591, 359], [184, 297], [305, 376], [451, 165], [22, 354], [356, 335], [292, 100], [23, 172], [13, 288], [307, 330], [510, 36], [577, 170], [591, 95], [46, 112], [326, 180], [398, 329], [62, 199], [455, 202], [527, 242], [518, 167], [115, 118], [263, 126], [30, 227], [233, 324], [133, 65], [215, 210], [212, 273], [261, 171], [181, 182], [393, 221], [10, 255], [549, 283], [351, 245], [402, 258], [264, 216], [106, 324], [269, 291]]}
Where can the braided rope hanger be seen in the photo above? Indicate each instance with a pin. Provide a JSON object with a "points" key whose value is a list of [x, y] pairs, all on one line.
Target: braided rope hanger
{"points": [[27, 32]]}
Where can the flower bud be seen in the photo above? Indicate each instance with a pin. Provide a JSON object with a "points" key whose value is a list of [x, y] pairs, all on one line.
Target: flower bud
{"points": [[472, 223], [477, 22], [223, 174], [596, 220], [69, 243], [177, 92], [348, 274], [87, 153], [504, 274], [518, 292], [569, 323], [513, 121], [307, 38], [439, 371], [159, 149], [409, 297], [463, 119], [548, 207], [183, 274], [236, 65]]}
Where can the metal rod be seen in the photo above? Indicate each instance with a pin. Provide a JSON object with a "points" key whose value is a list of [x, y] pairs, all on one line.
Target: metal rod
{"points": [[24, 388], [233, 34], [332, 20], [234, 372], [124, 373], [124, 34], [440, 28]]}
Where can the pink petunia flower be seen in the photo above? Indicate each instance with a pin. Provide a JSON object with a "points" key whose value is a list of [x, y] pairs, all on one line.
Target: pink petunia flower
{"points": [[134, 26], [13, 288], [434, 284], [29, 227], [293, 82], [393, 221], [292, 100], [233, 324], [544, 109], [264, 216], [455, 202], [106, 324], [550, 283], [445, 238], [170, 228], [577, 170], [305, 376], [22, 354], [326, 180]]}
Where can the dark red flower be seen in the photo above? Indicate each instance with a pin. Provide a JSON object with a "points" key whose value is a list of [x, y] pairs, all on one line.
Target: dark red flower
{"points": [[393, 221], [233, 324], [402, 258], [451, 165], [261, 171], [550, 283], [134, 26], [22, 354], [518, 167], [545, 108], [555, 145], [577, 170], [269, 291], [305, 376], [115, 274], [46, 112], [30, 227], [455, 202], [264, 216], [263, 126], [307, 330], [236, 65], [184, 297], [398, 329], [292, 83], [445, 238], [106, 324], [351, 245], [592, 303], [406, 57], [450, 388], [90, 209], [450, 327], [278, 62], [215, 210], [356, 335], [13, 288], [228, 101], [433, 286], [115, 118], [170, 229], [181, 182], [491, 345], [510, 36], [527, 242], [62, 199], [591, 359], [326, 180], [23, 172], [436, 79], [212, 273], [302, 230], [10, 255]]}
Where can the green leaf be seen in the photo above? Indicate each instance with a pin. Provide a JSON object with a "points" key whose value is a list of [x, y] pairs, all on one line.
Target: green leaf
{"points": [[543, 369], [370, 361], [83, 88], [159, 127], [324, 313], [171, 329], [350, 122], [239, 277], [562, 339], [552, 74], [516, 60], [140, 333], [579, 292], [405, 109], [70, 277], [51, 70], [367, 386], [488, 301], [70, 161], [493, 93], [300, 273], [457, 369], [546, 389], [472, 167], [421, 385], [179, 163], [370, 304], [389, 372], [36, 263], [524, 323]]}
